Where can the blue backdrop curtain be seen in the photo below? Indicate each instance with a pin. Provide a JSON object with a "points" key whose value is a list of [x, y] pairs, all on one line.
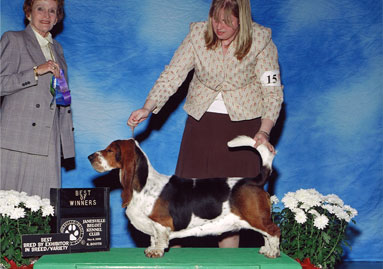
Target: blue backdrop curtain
{"points": [[328, 137]]}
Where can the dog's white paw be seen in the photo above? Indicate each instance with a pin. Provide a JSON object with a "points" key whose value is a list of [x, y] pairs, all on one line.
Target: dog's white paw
{"points": [[153, 252], [269, 253]]}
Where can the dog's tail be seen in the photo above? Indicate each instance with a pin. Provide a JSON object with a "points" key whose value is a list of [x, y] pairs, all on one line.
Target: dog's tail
{"points": [[266, 156]]}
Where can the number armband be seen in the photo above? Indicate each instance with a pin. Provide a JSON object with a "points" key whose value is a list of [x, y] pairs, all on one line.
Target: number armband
{"points": [[271, 78]]}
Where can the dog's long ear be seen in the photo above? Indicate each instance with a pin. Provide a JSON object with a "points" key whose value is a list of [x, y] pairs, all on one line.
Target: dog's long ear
{"points": [[128, 170], [142, 170]]}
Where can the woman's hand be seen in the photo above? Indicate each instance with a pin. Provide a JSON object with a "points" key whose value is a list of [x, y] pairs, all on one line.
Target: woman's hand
{"points": [[138, 116], [49, 66], [263, 135], [141, 114], [263, 138]]}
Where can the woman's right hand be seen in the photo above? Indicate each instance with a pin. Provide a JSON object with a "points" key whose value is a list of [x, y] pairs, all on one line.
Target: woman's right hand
{"points": [[138, 116], [141, 114]]}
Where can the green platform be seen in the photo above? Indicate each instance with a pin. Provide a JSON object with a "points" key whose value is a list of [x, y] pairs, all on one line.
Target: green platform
{"points": [[201, 258]]}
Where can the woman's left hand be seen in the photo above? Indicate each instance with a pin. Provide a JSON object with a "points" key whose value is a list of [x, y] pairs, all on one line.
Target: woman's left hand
{"points": [[262, 138], [49, 66]]}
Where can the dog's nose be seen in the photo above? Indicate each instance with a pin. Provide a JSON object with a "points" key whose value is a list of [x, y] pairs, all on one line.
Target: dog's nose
{"points": [[91, 157]]}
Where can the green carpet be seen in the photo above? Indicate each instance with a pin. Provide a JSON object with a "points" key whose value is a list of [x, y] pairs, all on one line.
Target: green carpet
{"points": [[200, 258]]}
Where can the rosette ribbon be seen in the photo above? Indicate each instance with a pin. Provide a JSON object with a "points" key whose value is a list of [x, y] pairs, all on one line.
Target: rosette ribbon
{"points": [[306, 264], [60, 91]]}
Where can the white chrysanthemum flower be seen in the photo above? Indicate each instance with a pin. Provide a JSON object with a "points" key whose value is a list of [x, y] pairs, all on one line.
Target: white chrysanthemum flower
{"points": [[300, 215], [12, 192], [349, 213], [23, 197], [308, 197], [13, 204], [321, 222], [17, 213], [305, 206], [6, 210], [12, 199], [33, 203], [3, 201], [289, 201], [47, 210], [314, 212], [274, 200], [3, 193], [300, 194], [329, 208], [341, 214], [334, 199], [314, 192], [45, 202], [347, 218], [352, 211]]}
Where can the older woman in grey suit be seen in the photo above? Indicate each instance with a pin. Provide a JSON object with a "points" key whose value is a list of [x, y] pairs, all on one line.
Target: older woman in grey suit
{"points": [[35, 133]]}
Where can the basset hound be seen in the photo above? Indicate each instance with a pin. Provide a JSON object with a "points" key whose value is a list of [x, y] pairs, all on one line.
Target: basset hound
{"points": [[167, 207]]}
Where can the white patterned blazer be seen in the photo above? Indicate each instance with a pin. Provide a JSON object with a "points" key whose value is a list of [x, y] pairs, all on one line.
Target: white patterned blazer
{"points": [[250, 88]]}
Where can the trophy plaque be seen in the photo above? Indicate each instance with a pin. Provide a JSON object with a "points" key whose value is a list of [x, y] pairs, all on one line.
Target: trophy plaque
{"points": [[84, 214]]}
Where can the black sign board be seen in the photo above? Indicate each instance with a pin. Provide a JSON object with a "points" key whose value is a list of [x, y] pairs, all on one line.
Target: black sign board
{"points": [[34, 245], [83, 214]]}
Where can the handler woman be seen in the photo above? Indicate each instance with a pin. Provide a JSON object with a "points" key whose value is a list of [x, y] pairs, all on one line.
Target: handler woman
{"points": [[34, 131], [235, 90]]}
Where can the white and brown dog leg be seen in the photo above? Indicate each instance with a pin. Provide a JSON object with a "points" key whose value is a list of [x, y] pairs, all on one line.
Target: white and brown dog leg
{"points": [[159, 241], [271, 247]]}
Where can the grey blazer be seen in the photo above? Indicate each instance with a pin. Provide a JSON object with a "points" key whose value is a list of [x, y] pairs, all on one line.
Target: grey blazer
{"points": [[26, 114]]}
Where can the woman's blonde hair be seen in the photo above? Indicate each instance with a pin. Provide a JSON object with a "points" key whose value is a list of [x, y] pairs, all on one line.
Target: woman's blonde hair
{"points": [[239, 9]]}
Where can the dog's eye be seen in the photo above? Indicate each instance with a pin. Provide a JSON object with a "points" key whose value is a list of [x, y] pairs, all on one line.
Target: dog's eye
{"points": [[109, 150]]}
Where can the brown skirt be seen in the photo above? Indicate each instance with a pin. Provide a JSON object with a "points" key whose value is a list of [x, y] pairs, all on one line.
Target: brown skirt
{"points": [[204, 152]]}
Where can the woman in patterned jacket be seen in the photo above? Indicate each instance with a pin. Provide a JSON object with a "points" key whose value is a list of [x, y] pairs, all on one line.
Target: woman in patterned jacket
{"points": [[235, 90]]}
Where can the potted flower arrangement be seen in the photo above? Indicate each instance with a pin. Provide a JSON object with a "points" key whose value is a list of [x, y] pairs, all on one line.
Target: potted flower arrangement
{"points": [[20, 214], [313, 227]]}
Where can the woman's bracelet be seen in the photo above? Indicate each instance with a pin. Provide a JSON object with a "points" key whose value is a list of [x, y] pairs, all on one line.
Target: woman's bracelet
{"points": [[265, 133], [35, 72]]}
